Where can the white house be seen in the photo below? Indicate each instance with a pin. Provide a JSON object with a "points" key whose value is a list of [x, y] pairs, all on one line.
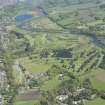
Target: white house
{"points": [[61, 98]]}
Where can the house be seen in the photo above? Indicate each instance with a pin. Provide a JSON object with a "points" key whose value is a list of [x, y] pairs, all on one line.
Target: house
{"points": [[61, 77], [93, 96], [100, 26], [61, 98], [80, 90], [77, 102], [1, 61]]}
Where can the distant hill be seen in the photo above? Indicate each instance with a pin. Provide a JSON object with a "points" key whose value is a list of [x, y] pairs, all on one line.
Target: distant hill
{"points": [[9, 2]]}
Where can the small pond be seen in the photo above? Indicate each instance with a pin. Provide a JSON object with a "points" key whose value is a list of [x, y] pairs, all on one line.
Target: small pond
{"points": [[23, 17]]}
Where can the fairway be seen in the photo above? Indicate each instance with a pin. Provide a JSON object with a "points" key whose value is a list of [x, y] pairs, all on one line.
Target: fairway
{"points": [[96, 102]]}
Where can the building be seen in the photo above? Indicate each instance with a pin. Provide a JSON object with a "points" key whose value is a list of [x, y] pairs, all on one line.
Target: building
{"points": [[61, 98]]}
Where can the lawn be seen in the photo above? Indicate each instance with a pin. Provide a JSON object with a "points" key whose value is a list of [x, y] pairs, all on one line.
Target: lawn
{"points": [[97, 101], [96, 77], [27, 103], [37, 68], [34, 67], [98, 80], [51, 84]]}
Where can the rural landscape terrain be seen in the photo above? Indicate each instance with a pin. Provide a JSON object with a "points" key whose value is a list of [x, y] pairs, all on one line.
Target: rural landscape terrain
{"points": [[52, 52]]}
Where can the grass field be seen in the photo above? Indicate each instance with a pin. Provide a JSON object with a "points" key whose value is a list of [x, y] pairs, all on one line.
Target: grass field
{"points": [[27, 103], [33, 67], [97, 78], [97, 101], [51, 84]]}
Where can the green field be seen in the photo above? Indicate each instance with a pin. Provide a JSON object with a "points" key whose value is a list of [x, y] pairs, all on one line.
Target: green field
{"points": [[98, 81], [51, 84], [27, 103], [95, 76], [35, 66], [96, 102]]}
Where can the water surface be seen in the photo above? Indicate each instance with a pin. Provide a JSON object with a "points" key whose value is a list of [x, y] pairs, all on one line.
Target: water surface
{"points": [[23, 17]]}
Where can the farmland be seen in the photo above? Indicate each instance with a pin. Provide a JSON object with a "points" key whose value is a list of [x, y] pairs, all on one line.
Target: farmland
{"points": [[53, 52]]}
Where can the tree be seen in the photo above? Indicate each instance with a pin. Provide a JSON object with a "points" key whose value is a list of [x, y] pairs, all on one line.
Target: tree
{"points": [[44, 53], [87, 83], [70, 101], [43, 102], [47, 98], [7, 57]]}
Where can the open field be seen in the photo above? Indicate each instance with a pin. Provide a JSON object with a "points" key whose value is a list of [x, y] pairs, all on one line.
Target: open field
{"points": [[51, 84], [97, 78], [96, 102], [33, 67], [26, 103]]}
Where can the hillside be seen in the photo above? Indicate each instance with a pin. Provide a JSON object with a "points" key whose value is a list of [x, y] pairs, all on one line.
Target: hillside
{"points": [[52, 52]]}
